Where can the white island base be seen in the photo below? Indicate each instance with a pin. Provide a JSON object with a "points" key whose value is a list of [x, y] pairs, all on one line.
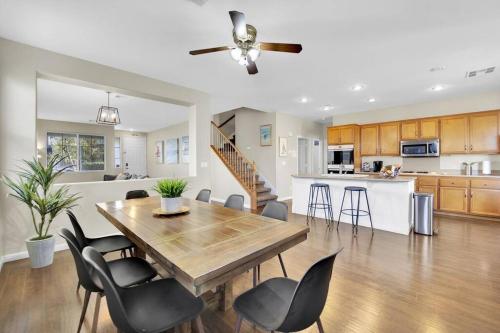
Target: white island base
{"points": [[390, 199]]}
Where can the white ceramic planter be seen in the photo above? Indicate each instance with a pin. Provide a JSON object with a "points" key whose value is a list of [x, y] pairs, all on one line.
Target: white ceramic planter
{"points": [[41, 252], [170, 204]]}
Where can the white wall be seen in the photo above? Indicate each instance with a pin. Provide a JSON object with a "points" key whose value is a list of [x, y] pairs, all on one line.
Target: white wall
{"points": [[20, 65], [464, 104], [167, 170]]}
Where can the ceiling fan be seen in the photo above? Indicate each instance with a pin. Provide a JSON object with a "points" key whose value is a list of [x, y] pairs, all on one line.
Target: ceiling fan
{"points": [[247, 50]]}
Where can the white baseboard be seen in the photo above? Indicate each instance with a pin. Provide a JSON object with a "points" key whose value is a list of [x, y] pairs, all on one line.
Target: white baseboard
{"points": [[24, 254], [247, 206]]}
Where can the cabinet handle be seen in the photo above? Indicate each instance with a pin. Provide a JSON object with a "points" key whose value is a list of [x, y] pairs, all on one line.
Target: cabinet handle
{"points": [[470, 147], [465, 147]]}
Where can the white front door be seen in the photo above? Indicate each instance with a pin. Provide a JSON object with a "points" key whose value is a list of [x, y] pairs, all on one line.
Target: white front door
{"points": [[134, 155]]}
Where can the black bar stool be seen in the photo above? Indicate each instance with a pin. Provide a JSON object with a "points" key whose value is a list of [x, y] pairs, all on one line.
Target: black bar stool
{"points": [[355, 211], [326, 202]]}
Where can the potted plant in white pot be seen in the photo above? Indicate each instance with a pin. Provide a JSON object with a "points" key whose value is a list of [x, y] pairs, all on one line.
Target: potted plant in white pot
{"points": [[34, 188], [170, 191]]}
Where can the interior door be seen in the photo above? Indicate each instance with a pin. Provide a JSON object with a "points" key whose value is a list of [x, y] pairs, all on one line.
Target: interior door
{"points": [[134, 155], [304, 157]]}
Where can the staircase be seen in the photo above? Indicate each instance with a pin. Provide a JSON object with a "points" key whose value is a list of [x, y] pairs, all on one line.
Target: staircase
{"points": [[242, 169]]}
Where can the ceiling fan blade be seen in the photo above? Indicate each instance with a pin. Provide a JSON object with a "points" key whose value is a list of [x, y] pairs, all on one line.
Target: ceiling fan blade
{"points": [[213, 49], [251, 67], [239, 23], [281, 47]]}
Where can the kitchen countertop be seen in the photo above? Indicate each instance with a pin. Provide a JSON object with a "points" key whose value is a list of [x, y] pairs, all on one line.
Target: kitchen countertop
{"points": [[368, 177], [495, 174]]}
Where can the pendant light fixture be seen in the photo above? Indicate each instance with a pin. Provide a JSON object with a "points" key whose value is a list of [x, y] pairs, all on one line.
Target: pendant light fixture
{"points": [[108, 115]]}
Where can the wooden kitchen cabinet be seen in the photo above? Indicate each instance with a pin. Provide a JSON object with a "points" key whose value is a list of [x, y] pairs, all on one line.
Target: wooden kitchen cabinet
{"points": [[453, 199], [409, 130], [389, 139], [347, 135], [429, 128], [454, 135], [431, 189], [369, 140], [333, 135], [485, 202], [483, 133]]}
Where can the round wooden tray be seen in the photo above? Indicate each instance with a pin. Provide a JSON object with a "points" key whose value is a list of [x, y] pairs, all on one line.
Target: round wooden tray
{"points": [[161, 212]]}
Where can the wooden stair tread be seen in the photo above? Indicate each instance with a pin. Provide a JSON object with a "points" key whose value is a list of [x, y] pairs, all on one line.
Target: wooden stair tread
{"points": [[266, 197], [262, 189]]}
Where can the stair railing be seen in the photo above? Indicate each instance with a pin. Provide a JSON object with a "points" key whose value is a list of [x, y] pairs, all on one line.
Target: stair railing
{"points": [[244, 169]]}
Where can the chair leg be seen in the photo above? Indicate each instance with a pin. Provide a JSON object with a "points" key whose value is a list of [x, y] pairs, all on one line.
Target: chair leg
{"points": [[282, 265], [254, 276], [84, 309], [96, 312], [330, 207], [352, 215], [309, 207], [199, 325], [258, 273], [323, 201], [357, 212], [130, 251], [369, 212], [320, 326], [238, 324], [315, 201], [340, 211]]}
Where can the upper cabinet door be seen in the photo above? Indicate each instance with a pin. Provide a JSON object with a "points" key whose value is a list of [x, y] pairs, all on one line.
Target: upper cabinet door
{"points": [[429, 128], [483, 133], [389, 139], [454, 135], [347, 135], [369, 140], [333, 135], [409, 130]]}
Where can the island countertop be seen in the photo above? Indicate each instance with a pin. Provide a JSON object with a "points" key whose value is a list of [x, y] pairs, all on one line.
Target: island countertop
{"points": [[359, 177]]}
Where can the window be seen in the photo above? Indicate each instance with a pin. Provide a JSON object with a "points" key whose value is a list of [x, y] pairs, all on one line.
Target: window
{"points": [[84, 152], [66, 145], [117, 147]]}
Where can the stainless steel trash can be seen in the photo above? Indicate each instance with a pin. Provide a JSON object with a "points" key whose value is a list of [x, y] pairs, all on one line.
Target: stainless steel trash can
{"points": [[423, 209]]}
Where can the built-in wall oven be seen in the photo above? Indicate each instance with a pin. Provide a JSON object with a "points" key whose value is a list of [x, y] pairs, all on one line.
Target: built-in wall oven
{"points": [[340, 159], [420, 148]]}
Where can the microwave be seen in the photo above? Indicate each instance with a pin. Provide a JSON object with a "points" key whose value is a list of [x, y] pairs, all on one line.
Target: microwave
{"points": [[420, 148]]}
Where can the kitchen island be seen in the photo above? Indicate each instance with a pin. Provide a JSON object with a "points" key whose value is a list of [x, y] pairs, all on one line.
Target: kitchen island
{"points": [[390, 199]]}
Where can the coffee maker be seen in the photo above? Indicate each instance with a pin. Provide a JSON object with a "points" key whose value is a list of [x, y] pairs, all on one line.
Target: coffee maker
{"points": [[377, 166]]}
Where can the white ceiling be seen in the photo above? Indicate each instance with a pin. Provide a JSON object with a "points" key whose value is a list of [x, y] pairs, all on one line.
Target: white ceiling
{"points": [[66, 102], [388, 45]]}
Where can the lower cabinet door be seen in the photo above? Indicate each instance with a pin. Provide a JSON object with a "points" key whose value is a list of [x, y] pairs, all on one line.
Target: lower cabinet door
{"points": [[453, 199], [485, 202], [433, 190]]}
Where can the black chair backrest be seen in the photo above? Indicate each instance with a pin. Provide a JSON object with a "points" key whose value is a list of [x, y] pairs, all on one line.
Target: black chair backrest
{"points": [[310, 296], [111, 289], [204, 195], [82, 269], [136, 194], [80, 236], [235, 201], [276, 210]]}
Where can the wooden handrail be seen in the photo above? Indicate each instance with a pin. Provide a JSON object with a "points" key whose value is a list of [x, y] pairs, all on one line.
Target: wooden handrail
{"points": [[244, 169], [227, 120]]}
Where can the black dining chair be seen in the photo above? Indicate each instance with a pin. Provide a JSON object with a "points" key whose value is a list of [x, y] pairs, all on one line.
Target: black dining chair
{"points": [[105, 244], [148, 308], [275, 210], [286, 305], [204, 195], [126, 272], [136, 194], [235, 201]]}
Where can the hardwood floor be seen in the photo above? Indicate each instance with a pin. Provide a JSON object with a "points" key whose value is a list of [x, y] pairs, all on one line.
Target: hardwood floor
{"points": [[384, 283]]}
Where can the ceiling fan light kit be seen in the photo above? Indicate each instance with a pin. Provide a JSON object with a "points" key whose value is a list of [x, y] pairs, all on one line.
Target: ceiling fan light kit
{"points": [[247, 50]]}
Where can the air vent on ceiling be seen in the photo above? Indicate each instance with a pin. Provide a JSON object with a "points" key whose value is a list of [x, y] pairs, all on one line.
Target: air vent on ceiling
{"points": [[480, 72]]}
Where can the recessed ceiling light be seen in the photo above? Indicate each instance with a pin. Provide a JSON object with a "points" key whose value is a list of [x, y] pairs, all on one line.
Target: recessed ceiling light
{"points": [[304, 100], [327, 108], [358, 87], [437, 69], [437, 87], [371, 100]]}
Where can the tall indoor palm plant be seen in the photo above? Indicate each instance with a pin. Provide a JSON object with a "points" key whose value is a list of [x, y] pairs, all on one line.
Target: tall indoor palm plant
{"points": [[34, 188]]}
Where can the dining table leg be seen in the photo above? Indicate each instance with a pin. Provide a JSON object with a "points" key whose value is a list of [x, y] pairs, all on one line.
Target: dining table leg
{"points": [[225, 296]]}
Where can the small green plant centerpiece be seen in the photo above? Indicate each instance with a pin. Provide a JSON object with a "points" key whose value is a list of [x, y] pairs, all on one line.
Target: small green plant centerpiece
{"points": [[34, 188], [170, 191]]}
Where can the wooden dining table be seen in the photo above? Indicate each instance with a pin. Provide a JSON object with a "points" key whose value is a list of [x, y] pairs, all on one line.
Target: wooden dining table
{"points": [[205, 248]]}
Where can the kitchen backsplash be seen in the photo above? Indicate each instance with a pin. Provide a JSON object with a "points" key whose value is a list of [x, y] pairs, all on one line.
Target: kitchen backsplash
{"points": [[444, 162]]}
